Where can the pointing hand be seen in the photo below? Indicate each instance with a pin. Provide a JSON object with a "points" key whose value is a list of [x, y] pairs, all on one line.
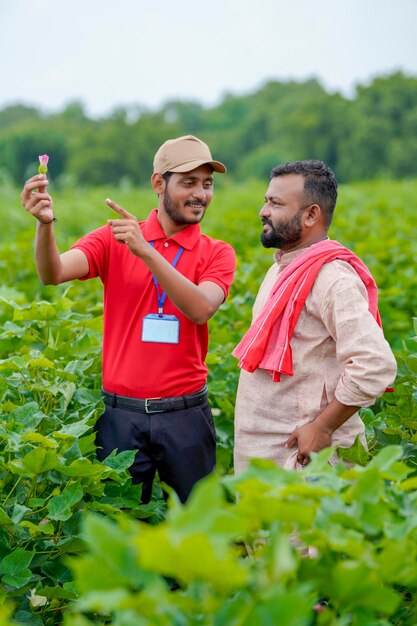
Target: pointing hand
{"points": [[127, 230]]}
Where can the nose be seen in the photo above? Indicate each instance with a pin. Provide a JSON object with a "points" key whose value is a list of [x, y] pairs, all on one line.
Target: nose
{"points": [[199, 193], [264, 212]]}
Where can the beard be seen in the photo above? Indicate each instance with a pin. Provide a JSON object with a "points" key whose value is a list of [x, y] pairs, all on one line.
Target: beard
{"points": [[287, 233], [173, 210]]}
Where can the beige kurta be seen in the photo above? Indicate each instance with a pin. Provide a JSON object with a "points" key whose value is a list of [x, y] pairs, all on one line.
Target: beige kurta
{"points": [[338, 350]]}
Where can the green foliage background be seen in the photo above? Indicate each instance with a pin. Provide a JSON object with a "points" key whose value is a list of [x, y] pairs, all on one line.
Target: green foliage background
{"points": [[72, 547], [371, 135]]}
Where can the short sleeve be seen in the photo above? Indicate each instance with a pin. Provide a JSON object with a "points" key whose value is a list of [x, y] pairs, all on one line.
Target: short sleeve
{"points": [[221, 268], [95, 246]]}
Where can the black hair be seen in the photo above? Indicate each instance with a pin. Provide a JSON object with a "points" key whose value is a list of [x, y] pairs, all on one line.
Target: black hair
{"points": [[320, 184], [167, 176]]}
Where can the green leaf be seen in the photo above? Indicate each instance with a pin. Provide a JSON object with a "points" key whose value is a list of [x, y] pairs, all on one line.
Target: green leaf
{"points": [[111, 562], [84, 468], [105, 601], [74, 429], [14, 363], [282, 558], [387, 463], [58, 592], [29, 416], [120, 462], [355, 454], [59, 507], [56, 571], [34, 437], [4, 518], [37, 310], [280, 608], [369, 486], [205, 511], [41, 363], [164, 552], [410, 484], [19, 511], [15, 568], [36, 462], [397, 562], [345, 591], [35, 530]]}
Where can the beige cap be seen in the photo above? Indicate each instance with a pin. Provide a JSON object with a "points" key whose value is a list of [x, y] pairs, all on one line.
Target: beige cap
{"points": [[183, 155]]}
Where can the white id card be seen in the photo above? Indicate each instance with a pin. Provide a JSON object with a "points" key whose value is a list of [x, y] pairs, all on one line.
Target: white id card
{"points": [[161, 328]]}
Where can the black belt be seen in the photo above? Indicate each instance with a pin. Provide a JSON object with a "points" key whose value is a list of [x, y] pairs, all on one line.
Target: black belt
{"points": [[156, 405]]}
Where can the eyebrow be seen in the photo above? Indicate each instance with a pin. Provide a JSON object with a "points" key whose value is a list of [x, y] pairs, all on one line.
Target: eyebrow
{"points": [[273, 198], [209, 177]]}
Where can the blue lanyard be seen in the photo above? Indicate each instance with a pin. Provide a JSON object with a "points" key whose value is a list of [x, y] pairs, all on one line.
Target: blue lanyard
{"points": [[162, 296]]}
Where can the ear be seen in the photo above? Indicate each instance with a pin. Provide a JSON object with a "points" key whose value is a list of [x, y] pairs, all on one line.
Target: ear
{"points": [[312, 215], [158, 183]]}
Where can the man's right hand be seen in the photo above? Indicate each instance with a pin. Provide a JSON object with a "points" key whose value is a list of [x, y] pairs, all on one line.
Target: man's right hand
{"points": [[36, 200]]}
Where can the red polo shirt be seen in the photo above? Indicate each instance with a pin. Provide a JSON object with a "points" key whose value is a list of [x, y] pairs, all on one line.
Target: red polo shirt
{"points": [[140, 369]]}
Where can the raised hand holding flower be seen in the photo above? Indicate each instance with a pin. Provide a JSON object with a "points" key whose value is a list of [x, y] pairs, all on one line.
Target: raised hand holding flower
{"points": [[35, 198]]}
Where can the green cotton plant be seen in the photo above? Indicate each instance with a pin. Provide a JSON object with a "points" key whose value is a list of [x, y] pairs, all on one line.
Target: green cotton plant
{"points": [[50, 399], [51, 347], [328, 546]]}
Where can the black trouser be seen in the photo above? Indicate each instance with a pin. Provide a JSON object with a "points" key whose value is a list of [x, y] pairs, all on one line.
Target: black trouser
{"points": [[179, 445]]}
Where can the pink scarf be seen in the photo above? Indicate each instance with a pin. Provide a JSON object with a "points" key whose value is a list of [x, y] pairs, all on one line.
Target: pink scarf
{"points": [[267, 342]]}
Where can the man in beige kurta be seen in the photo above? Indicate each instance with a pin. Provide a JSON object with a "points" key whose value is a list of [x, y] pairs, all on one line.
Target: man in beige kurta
{"points": [[338, 350]]}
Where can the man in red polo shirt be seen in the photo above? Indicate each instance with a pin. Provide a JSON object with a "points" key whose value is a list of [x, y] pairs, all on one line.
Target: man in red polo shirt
{"points": [[163, 279]]}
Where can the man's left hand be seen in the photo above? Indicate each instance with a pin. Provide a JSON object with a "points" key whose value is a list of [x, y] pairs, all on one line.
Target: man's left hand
{"points": [[127, 230], [309, 438]]}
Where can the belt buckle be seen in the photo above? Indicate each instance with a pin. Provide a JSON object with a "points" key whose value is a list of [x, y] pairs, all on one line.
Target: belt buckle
{"points": [[148, 410]]}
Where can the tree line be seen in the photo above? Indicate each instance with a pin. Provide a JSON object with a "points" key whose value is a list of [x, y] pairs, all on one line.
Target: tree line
{"points": [[372, 134]]}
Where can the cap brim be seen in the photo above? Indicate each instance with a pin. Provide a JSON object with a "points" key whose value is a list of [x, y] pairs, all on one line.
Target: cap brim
{"points": [[192, 165]]}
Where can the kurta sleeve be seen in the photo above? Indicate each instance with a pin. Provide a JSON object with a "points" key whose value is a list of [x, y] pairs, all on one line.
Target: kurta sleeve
{"points": [[366, 357]]}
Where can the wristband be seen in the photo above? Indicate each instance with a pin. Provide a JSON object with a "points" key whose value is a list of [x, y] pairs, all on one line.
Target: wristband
{"points": [[52, 220]]}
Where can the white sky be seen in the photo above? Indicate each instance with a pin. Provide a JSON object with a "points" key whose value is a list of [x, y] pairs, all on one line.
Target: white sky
{"points": [[123, 52]]}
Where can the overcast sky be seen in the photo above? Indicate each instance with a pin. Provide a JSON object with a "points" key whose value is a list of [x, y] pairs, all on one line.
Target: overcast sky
{"points": [[123, 52]]}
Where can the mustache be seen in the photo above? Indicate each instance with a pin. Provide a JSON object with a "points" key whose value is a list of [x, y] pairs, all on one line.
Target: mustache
{"points": [[265, 220]]}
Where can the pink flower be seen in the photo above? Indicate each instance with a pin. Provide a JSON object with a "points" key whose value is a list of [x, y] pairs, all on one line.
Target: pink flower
{"points": [[319, 608], [43, 163]]}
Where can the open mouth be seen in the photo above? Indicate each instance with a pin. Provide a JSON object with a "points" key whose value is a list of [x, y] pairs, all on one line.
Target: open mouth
{"points": [[196, 205]]}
